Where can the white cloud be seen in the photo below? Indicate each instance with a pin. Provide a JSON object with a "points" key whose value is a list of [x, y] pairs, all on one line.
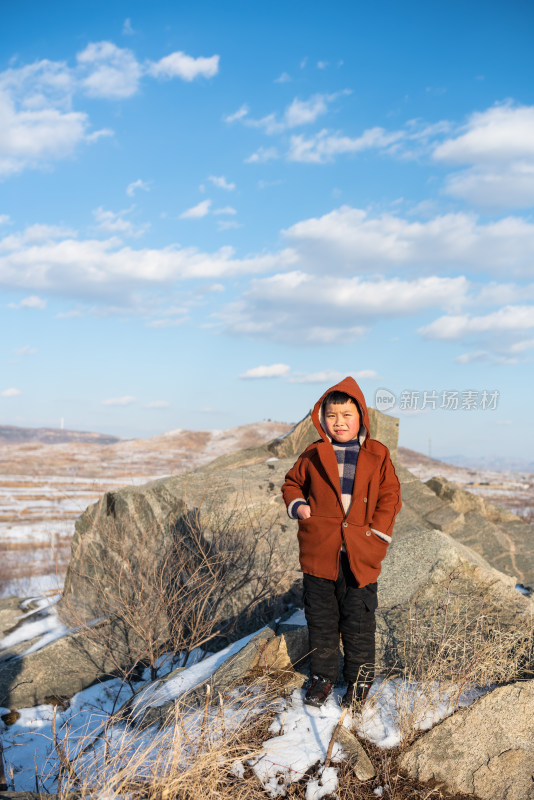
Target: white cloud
{"points": [[511, 186], [484, 356], [324, 146], [296, 114], [180, 65], [103, 268], [237, 115], [29, 138], [262, 155], [127, 400], [40, 85], [331, 309], [521, 346], [228, 224], [329, 376], [271, 371], [304, 112], [221, 183], [104, 133], [34, 234], [500, 133], [322, 64], [509, 319], [358, 242], [12, 392], [39, 125], [26, 351], [497, 145], [115, 222], [127, 29], [202, 209], [138, 184], [5, 219], [495, 294], [157, 404], [225, 210], [393, 297], [112, 72], [33, 301], [283, 78]]}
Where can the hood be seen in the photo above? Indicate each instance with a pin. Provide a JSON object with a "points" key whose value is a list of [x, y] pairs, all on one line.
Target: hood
{"points": [[350, 387]]}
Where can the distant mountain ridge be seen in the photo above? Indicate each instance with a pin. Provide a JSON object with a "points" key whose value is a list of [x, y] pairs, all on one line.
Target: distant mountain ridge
{"points": [[497, 463], [411, 458], [13, 434]]}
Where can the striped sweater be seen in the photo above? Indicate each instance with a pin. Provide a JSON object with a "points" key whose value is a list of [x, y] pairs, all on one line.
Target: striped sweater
{"points": [[347, 457]]}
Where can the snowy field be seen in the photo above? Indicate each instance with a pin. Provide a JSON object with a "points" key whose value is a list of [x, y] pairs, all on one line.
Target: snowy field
{"points": [[44, 487], [37, 516], [298, 736]]}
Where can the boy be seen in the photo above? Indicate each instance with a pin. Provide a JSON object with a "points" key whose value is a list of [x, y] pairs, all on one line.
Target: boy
{"points": [[345, 493]]}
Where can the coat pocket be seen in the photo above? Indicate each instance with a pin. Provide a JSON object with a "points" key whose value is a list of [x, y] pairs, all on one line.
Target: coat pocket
{"points": [[364, 547]]}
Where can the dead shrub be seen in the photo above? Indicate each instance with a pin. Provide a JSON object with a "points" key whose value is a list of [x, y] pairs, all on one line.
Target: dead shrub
{"points": [[219, 566]]}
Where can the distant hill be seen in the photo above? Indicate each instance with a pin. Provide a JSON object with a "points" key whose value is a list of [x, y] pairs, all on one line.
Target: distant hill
{"points": [[12, 434], [496, 463], [411, 458]]}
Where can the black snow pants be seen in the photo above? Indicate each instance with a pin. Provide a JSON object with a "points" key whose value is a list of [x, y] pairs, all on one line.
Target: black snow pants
{"points": [[341, 607]]}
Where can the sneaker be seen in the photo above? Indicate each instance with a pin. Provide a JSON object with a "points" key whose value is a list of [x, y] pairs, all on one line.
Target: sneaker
{"points": [[356, 693], [318, 690]]}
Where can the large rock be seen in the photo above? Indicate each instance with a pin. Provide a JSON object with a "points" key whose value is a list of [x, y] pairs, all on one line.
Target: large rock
{"points": [[436, 594], [504, 539], [60, 669], [10, 613], [486, 749]]}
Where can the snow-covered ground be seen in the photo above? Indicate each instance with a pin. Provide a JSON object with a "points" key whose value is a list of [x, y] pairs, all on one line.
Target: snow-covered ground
{"points": [[299, 734]]}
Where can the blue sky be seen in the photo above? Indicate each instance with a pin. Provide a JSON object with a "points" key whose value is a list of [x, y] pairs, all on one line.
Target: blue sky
{"points": [[210, 212]]}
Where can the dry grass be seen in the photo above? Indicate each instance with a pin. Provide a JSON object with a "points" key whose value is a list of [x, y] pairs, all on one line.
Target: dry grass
{"points": [[452, 644], [194, 758], [464, 635], [456, 639]]}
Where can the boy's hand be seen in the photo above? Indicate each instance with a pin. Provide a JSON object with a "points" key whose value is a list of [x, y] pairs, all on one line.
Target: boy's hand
{"points": [[304, 512]]}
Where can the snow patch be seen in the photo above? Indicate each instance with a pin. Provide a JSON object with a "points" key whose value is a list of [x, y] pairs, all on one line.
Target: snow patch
{"points": [[395, 707]]}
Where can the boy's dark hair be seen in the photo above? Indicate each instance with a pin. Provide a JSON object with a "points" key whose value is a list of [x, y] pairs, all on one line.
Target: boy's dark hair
{"points": [[338, 398]]}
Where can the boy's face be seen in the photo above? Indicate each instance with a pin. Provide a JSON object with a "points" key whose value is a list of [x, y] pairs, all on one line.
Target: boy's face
{"points": [[342, 421]]}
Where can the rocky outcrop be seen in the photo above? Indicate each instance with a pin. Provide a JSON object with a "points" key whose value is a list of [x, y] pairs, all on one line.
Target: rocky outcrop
{"points": [[486, 749], [155, 519], [434, 591], [143, 528], [502, 538]]}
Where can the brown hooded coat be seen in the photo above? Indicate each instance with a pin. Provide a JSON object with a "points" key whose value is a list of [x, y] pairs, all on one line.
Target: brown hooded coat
{"points": [[375, 500]]}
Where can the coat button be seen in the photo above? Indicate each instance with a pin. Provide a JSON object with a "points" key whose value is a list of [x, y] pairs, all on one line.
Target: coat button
{"points": [[367, 533], [345, 524], [365, 499]]}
